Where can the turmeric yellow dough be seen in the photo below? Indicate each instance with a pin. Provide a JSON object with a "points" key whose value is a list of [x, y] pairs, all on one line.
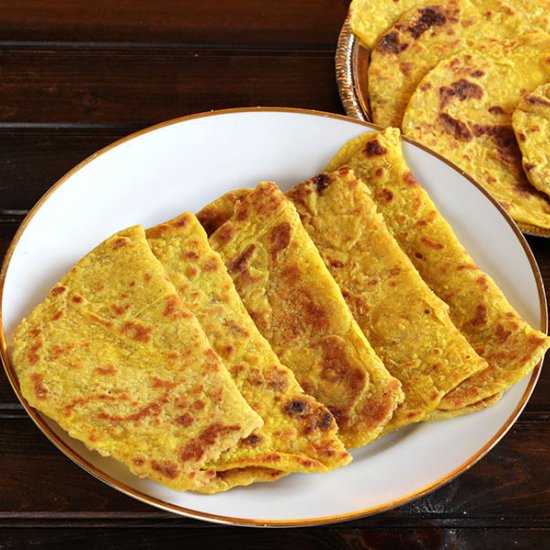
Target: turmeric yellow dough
{"points": [[463, 110], [406, 323], [531, 121], [370, 19], [219, 211], [288, 441], [478, 307], [115, 358], [299, 309]]}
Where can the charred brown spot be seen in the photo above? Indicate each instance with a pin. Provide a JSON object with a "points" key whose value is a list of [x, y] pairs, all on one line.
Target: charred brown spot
{"points": [[432, 244], [429, 17], [389, 43], [120, 310], [295, 407], [147, 277], [327, 421], [57, 316], [58, 290], [138, 461], [385, 194], [152, 409], [374, 148], [321, 182], [136, 331], [477, 74], [503, 137], [253, 440], [171, 306], [225, 233], [77, 299], [180, 222], [199, 404], [167, 469], [211, 264], [480, 316], [119, 243], [191, 255], [194, 450], [496, 110], [534, 100], [32, 355], [105, 371], [461, 89], [483, 283], [458, 129], [241, 262], [40, 390], [337, 263], [279, 238], [418, 255], [528, 166], [378, 172], [502, 334], [521, 136], [410, 180], [184, 420]]}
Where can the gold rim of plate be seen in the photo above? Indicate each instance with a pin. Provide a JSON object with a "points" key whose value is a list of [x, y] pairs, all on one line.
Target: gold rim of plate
{"points": [[352, 63], [42, 423]]}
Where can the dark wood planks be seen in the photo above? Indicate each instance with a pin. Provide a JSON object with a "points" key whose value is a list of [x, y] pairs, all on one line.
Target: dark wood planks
{"points": [[511, 482], [267, 22]]}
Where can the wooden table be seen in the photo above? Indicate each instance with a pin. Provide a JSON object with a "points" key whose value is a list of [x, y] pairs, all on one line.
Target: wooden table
{"points": [[75, 76]]}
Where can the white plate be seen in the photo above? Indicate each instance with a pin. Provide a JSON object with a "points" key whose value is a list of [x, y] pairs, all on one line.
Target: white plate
{"points": [[182, 165]]}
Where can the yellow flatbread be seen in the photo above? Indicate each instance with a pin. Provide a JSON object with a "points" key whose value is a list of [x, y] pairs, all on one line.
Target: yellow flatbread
{"points": [[289, 442], [531, 122], [369, 19], [478, 307], [299, 309], [219, 211], [423, 37], [472, 125], [114, 357], [406, 323]]}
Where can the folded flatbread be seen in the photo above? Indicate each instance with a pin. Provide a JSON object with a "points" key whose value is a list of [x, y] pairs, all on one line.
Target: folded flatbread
{"points": [[289, 442], [478, 307], [406, 323], [463, 109], [299, 309], [114, 357]]}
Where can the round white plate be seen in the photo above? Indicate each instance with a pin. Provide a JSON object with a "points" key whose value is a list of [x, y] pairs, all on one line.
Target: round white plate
{"points": [[182, 165]]}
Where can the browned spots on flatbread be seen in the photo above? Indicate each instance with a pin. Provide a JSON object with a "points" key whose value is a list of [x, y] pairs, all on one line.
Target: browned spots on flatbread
{"points": [[337, 264], [40, 390], [374, 148], [171, 306], [151, 409], [138, 461], [455, 127], [477, 73], [119, 243], [483, 283], [225, 233], [314, 314], [429, 17], [56, 316], [211, 264], [58, 290], [241, 262], [504, 139], [385, 194], [191, 255], [194, 450], [107, 370], [279, 238], [410, 180], [389, 43], [120, 310], [295, 407], [502, 333], [480, 316], [426, 86], [269, 198], [535, 100], [432, 244], [147, 277], [253, 440], [496, 110], [77, 299], [166, 468], [527, 165], [321, 182], [199, 404], [136, 331], [184, 420], [461, 89], [100, 320]]}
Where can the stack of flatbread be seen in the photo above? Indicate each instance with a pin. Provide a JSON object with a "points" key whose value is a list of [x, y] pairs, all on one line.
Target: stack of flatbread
{"points": [[469, 79], [273, 332]]}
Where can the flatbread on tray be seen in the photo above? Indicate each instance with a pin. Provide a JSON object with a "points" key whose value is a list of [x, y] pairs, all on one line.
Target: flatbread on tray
{"points": [[531, 122], [115, 358], [406, 323], [478, 307], [287, 441], [463, 109], [370, 19], [299, 309], [423, 37]]}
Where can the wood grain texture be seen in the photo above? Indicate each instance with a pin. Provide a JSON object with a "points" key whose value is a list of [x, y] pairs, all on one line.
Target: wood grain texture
{"points": [[143, 87], [282, 23]]}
